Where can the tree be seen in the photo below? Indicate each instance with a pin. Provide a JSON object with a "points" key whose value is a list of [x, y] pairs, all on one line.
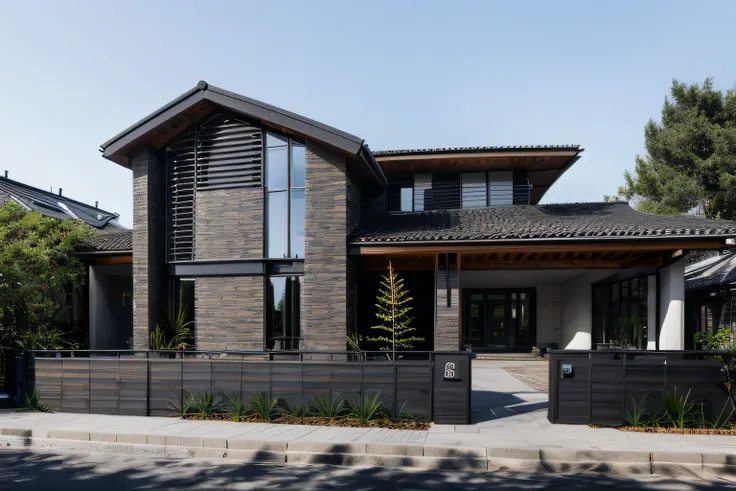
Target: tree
{"points": [[690, 160], [38, 272], [393, 312]]}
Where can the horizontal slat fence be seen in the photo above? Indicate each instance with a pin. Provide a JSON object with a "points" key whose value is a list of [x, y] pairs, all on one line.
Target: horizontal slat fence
{"points": [[604, 385], [155, 384]]}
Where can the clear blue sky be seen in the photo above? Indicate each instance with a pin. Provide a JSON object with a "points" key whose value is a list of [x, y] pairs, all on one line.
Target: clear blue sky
{"points": [[400, 74]]}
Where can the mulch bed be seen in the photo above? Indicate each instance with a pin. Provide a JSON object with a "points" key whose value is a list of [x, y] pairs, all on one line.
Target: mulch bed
{"points": [[319, 421], [686, 431]]}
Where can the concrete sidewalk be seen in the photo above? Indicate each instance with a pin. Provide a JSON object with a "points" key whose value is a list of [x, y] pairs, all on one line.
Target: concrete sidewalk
{"points": [[521, 441]]}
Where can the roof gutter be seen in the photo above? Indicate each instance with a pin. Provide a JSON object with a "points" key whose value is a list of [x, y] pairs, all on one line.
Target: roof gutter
{"points": [[370, 160], [517, 241]]}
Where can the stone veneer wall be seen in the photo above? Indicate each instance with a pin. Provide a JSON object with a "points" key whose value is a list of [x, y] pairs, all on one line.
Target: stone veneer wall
{"points": [[149, 243], [447, 319], [229, 224], [324, 294], [229, 310], [229, 313]]}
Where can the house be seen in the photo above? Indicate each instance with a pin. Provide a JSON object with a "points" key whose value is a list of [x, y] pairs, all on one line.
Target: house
{"points": [[710, 283], [273, 229]]}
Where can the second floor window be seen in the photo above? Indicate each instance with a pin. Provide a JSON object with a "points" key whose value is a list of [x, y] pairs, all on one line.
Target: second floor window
{"points": [[285, 173]]}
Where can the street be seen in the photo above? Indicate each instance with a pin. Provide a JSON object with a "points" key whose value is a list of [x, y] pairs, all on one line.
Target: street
{"points": [[62, 470]]}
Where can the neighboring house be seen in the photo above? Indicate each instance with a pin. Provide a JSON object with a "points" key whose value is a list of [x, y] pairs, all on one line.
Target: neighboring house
{"points": [[88, 310], [273, 230], [710, 284]]}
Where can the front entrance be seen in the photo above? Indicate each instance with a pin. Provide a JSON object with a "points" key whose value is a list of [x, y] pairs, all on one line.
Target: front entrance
{"points": [[499, 319]]}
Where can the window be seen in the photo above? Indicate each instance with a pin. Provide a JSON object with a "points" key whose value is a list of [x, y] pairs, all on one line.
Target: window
{"points": [[283, 303], [285, 197], [181, 305], [474, 190], [488, 189], [620, 315], [401, 194]]}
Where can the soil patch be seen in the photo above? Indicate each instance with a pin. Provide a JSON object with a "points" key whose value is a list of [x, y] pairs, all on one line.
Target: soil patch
{"points": [[685, 431], [403, 424]]}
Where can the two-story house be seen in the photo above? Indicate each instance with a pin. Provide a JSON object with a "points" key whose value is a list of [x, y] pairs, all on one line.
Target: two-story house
{"points": [[275, 229]]}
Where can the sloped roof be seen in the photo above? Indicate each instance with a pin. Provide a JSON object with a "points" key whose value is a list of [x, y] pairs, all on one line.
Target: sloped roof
{"points": [[553, 221], [440, 151], [56, 206], [119, 242], [716, 271]]}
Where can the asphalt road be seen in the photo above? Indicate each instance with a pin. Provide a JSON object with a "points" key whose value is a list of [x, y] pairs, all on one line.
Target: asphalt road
{"points": [[60, 470]]}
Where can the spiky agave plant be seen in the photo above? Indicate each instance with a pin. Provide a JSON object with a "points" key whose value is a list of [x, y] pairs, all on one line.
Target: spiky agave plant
{"points": [[369, 408]]}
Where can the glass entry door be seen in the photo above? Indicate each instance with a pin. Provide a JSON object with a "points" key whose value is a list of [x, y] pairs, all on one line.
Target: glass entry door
{"points": [[499, 320]]}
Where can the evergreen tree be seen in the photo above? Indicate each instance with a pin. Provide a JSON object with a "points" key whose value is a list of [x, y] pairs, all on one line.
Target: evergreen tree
{"points": [[690, 160], [393, 312]]}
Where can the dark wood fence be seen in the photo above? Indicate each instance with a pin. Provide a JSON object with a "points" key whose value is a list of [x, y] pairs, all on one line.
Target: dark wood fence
{"points": [[155, 383], [600, 387]]}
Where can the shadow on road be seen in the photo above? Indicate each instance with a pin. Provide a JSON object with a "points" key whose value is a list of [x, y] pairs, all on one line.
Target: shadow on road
{"points": [[21, 469]]}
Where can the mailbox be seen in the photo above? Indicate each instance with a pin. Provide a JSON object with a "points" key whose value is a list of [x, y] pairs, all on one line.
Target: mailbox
{"points": [[452, 388]]}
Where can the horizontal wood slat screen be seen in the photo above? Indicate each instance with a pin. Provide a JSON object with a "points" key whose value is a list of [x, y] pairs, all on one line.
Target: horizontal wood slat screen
{"points": [[605, 385], [133, 385]]}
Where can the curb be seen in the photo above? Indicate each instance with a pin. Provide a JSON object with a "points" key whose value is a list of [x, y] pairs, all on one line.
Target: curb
{"points": [[371, 454]]}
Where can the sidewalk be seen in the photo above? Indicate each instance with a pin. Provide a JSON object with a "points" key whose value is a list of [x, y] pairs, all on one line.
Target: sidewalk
{"points": [[512, 431]]}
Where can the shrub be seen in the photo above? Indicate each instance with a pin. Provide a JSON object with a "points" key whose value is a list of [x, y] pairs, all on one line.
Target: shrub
{"points": [[263, 407], [184, 405], [296, 411], [328, 408], [204, 404], [678, 409], [708, 340], [369, 408], [33, 403], [236, 408], [721, 421], [637, 415]]}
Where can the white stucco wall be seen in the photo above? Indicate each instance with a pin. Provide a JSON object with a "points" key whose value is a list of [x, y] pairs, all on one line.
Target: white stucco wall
{"points": [[672, 307], [577, 309], [549, 314]]}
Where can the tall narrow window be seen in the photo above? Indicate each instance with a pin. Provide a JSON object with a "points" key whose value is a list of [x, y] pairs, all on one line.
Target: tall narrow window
{"points": [[285, 197], [283, 297]]}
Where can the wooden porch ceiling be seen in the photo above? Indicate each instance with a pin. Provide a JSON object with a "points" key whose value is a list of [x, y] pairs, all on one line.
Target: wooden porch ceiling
{"points": [[525, 260]]}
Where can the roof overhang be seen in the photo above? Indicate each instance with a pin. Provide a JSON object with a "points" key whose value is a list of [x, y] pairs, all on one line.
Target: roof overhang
{"points": [[162, 125], [600, 244], [543, 165]]}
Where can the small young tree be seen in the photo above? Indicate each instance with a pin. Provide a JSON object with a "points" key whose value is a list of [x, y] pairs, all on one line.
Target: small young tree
{"points": [[393, 312]]}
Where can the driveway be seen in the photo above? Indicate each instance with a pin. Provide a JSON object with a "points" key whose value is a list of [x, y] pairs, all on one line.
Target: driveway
{"points": [[497, 394]]}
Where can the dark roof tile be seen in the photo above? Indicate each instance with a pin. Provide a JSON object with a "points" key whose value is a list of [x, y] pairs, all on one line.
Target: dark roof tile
{"points": [[118, 242], [554, 221]]}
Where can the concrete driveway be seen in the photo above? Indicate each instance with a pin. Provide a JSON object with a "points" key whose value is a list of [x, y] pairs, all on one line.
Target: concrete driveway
{"points": [[497, 394]]}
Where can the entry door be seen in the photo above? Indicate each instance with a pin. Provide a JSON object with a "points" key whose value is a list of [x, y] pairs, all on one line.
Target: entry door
{"points": [[497, 324], [499, 319]]}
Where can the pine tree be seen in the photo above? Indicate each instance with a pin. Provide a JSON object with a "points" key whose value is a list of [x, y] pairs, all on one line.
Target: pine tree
{"points": [[393, 312]]}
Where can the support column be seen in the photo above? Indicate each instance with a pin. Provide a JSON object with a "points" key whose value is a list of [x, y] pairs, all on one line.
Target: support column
{"points": [[447, 325], [672, 307], [149, 243]]}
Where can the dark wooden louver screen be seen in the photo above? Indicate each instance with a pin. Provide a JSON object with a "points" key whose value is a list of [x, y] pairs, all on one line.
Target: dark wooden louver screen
{"points": [[229, 154], [181, 176], [221, 153]]}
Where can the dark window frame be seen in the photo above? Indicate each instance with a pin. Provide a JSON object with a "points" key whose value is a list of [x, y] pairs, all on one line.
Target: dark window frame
{"points": [[609, 301], [290, 143]]}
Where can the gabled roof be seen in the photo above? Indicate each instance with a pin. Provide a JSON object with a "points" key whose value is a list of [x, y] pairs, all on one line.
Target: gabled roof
{"points": [[589, 221], [121, 242], [203, 98], [57, 206]]}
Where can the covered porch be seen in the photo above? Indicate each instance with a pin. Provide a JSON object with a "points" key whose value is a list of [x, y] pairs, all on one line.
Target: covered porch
{"points": [[519, 297]]}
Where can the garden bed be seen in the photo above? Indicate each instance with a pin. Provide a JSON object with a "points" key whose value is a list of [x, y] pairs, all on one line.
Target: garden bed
{"points": [[678, 431], [399, 424]]}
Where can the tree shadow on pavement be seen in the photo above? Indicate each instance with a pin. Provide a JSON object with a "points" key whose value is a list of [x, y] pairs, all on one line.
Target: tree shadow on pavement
{"points": [[55, 470]]}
